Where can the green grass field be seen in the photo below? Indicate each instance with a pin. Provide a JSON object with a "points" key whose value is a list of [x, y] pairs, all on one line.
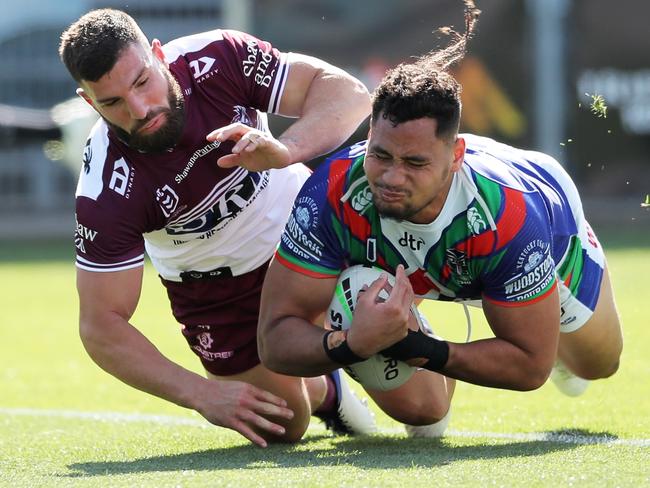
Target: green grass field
{"points": [[64, 422]]}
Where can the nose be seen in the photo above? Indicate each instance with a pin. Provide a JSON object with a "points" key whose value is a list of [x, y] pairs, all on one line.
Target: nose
{"points": [[137, 107], [394, 176]]}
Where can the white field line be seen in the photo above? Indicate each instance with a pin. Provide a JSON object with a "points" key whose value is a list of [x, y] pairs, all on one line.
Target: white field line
{"points": [[119, 417]]}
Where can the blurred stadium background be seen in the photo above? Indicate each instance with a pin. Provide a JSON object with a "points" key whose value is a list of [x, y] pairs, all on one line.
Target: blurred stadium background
{"points": [[529, 79]]}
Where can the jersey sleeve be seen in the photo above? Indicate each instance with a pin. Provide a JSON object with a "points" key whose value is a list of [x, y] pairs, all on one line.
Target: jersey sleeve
{"points": [[105, 241], [108, 236], [523, 272], [255, 69], [310, 244]]}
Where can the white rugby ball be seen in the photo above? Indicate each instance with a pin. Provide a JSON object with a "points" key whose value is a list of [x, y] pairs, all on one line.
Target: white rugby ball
{"points": [[377, 372]]}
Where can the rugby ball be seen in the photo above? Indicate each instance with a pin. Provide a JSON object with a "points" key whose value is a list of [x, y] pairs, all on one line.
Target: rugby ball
{"points": [[377, 372]]}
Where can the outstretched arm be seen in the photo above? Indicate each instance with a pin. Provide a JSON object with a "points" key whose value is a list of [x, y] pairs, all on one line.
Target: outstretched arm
{"points": [[107, 302], [329, 103], [519, 357]]}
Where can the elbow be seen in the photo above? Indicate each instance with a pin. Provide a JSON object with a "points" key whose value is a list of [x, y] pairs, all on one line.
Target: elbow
{"points": [[532, 377], [531, 383], [271, 361], [365, 102], [358, 97], [267, 355]]}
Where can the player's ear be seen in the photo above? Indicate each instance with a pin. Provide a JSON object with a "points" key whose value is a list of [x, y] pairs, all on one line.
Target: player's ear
{"points": [[369, 130], [84, 95], [459, 153], [156, 49]]}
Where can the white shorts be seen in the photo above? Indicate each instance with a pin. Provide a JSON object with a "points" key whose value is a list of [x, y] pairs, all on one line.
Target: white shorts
{"points": [[580, 274]]}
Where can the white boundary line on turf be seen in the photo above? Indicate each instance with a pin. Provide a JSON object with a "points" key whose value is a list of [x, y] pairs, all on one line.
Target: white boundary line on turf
{"points": [[120, 417]]}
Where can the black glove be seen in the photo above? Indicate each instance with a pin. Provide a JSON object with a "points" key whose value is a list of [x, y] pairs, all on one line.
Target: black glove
{"points": [[419, 345]]}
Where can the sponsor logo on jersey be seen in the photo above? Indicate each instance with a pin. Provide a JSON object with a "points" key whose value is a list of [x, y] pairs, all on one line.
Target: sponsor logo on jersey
{"points": [[87, 157], [306, 213], [212, 355], [361, 200], [532, 255], [258, 69], [81, 234], [457, 261], [296, 238], [79, 244], [410, 241], [224, 210], [295, 248], [122, 178], [85, 232], [298, 235], [536, 271], [167, 200], [475, 223], [205, 340], [199, 153], [201, 68]]}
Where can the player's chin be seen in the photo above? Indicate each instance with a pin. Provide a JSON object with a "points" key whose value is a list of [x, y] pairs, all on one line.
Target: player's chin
{"points": [[392, 211]]}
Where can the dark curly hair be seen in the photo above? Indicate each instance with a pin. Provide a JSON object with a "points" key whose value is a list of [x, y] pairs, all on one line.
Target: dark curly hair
{"points": [[425, 88], [90, 47]]}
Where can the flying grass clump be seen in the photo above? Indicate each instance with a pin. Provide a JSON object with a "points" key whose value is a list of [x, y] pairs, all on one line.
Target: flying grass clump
{"points": [[598, 106]]}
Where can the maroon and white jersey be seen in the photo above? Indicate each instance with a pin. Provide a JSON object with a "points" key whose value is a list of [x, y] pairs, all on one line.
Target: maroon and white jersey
{"points": [[188, 213]]}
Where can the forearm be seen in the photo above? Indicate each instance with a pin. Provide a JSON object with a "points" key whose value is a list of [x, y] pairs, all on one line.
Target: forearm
{"points": [[122, 351], [495, 363], [489, 362], [294, 347], [335, 105]]}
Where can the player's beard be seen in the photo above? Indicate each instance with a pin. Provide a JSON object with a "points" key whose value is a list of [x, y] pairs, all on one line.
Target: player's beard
{"points": [[408, 210], [393, 212], [168, 135]]}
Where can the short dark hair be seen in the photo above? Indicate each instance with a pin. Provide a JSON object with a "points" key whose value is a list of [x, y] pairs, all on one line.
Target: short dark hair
{"points": [[90, 47], [425, 88]]}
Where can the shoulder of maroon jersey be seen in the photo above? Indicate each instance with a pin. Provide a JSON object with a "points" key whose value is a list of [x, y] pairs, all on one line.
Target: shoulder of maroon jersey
{"points": [[192, 45], [106, 173], [95, 154], [199, 57], [206, 46]]}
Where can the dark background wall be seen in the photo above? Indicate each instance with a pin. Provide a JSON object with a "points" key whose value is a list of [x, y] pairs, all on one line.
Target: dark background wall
{"points": [[602, 47]]}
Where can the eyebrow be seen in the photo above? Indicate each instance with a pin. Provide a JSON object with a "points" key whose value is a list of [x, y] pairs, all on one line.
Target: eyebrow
{"points": [[110, 99], [378, 149]]}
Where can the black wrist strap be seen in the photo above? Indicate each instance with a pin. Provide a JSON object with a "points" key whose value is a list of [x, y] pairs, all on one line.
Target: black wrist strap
{"points": [[419, 345], [341, 354]]}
